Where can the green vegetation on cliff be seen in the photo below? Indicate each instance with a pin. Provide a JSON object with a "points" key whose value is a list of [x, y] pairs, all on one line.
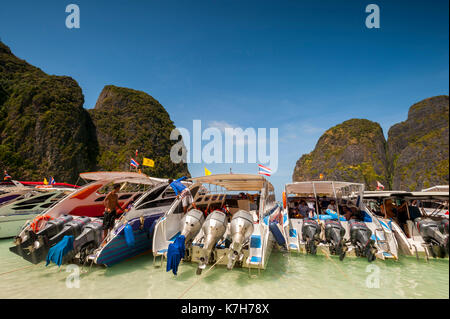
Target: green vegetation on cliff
{"points": [[416, 155], [418, 147], [44, 129], [129, 120], [352, 151]]}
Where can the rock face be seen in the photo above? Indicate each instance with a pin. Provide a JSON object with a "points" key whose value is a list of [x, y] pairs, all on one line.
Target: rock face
{"points": [[44, 129], [128, 120], [354, 151], [418, 147], [416, 155]]}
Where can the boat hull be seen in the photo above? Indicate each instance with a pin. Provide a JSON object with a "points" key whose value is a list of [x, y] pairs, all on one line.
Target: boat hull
{"points": [[11, 225], [117, 249]]}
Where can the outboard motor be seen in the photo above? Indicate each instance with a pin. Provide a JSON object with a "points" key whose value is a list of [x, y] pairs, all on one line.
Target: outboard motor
{"points": [[214, 228], [54, 226], [334, 235], [310, 233], [241, 227], [430, 230], [35, 247], [193, 222], [72, 228], [89, 239], [360, 237], [443, 226]]}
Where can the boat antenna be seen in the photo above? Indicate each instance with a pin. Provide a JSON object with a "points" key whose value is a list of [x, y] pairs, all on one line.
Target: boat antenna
{"points": [[337, 202], [315, 199]]}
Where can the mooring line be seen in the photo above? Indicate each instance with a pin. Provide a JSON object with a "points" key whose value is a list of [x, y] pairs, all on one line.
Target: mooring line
{"points": [[200, 277], [334, 263], [14, 270]]}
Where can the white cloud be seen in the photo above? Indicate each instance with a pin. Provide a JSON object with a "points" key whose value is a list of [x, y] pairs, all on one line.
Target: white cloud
{"points": [[296, 131]]}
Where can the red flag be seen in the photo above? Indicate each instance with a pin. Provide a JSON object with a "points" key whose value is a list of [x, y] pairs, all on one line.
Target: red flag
{"points": [[379, 186]]}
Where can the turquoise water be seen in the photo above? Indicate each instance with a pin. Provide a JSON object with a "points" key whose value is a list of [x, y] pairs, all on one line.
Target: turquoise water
{"points": [[287, 276]]}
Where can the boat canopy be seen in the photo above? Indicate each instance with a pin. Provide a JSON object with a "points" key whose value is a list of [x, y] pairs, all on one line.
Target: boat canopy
{"points": [[437, 188], [322, 187], [407, 195], [119, 177], [385, 194], [444, 196], [236, 182]]}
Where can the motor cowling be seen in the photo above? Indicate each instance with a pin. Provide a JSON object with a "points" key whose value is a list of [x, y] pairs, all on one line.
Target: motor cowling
{"points": [[431, 232], [40, 239], [193, 222], [89, 239], [443, 226], [213, 228], [72, 228], [360, 236], [310, 233], [54, 226], [334, 235], [241, 227]]}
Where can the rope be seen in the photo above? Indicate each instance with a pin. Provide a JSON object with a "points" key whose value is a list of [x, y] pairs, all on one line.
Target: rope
{"points": [[334, 263], [200, 277], [14, 270]]}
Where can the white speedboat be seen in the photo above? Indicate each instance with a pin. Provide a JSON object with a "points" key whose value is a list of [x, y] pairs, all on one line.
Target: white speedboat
{"points": [[346, 228], [419, 220], [228, 226]]}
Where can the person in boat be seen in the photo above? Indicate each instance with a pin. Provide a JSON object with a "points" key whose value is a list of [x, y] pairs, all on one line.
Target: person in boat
{"points": [[294, 210], [6, 176], [183, 192], [332, 205], [398, 214], [352, 212], [111, 203], [303, 210], [348, 212]]}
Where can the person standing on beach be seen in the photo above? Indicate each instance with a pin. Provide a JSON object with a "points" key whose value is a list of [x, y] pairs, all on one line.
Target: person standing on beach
{"points": [[111, 203], [182, 192]]}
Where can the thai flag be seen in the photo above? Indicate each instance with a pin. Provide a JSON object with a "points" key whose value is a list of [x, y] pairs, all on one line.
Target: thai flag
{"points": [[263, 170], [379, 186], [52, 181], [134, 163]]}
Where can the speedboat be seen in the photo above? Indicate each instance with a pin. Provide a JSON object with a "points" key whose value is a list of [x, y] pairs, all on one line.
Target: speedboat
{"points": [[24, 205], [229, 224], [33, 241], [345, 228], [12, 195], [13, 185], [133, 233], [419, 220]]}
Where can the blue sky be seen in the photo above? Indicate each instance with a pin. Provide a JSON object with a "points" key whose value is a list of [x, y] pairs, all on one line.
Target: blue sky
{"points": [[300, 66]]}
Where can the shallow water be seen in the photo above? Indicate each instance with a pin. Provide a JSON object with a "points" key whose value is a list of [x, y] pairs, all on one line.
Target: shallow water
{"points": [[287, 276]]}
